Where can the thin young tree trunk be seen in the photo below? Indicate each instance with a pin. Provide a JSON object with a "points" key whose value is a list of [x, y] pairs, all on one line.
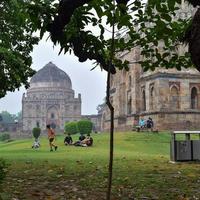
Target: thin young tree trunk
{"points": [[111, 108]]}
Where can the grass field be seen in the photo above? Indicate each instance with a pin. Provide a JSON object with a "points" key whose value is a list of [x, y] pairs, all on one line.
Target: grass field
{"points": [[141, 170]]}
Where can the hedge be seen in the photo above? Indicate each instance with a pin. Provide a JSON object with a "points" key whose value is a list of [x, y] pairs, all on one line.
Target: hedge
{"points": [[71, 127], [85, 126], [36, 132]]}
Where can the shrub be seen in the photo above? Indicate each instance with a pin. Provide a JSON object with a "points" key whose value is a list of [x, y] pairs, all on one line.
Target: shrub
{"points": [[3, 170], [71, 127], [36, 132], [85, 126], [4, 137]]}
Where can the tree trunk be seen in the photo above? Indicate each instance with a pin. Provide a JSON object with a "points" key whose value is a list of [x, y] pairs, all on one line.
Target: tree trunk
{"points": [[111, 137], [111, 108]]}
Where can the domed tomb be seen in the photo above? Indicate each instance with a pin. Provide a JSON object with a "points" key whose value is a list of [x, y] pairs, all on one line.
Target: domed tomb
{"points": [[50, 100], [50, 74]]}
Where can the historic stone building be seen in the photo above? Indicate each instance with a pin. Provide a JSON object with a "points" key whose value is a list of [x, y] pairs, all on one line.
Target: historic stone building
{"points": [[170, 97], [50, 100]]}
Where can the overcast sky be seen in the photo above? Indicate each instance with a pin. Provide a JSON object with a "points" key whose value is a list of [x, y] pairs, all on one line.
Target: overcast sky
{"points": [[90, 84]]}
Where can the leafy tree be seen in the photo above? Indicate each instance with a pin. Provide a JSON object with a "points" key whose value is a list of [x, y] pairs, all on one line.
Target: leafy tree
{"points": [[16, 43], [100, 107], [18, 116], [71, 127], [84, 126], [36, 132], [132, 23], [4, 137], [7, 117]]}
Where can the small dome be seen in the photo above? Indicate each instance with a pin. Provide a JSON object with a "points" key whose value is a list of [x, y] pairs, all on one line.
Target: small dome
{"points": [[52, 74]]}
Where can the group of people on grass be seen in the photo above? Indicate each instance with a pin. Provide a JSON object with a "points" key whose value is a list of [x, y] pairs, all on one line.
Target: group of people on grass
{"points": [[146, 123], [82, 141]]}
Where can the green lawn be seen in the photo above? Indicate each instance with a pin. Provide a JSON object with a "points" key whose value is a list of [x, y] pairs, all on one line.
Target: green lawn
{"points": [[141, 170]]}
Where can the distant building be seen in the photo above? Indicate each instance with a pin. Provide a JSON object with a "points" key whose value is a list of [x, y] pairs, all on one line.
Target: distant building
{"points": [[96, 120], [50, 100]]}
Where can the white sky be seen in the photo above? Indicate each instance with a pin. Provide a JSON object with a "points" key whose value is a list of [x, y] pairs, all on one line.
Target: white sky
{"points": [[91, 84]]}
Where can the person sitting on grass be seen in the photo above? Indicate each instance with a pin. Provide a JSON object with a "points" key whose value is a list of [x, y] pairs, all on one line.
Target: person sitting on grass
{"points": [[142, 123], [82, 137], [68, 140], [88, 141], [84, 141], [36, 144], [78, 142], [150, 124]]}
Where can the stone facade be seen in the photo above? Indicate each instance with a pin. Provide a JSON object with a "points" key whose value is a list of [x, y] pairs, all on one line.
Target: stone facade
{"points": [[50, 100], [96, 120], [170, 97]]}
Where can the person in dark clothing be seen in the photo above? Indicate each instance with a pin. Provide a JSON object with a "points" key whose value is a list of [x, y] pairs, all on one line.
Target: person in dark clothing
{"points": [[82, 137], [68, 140], [150, 123]]}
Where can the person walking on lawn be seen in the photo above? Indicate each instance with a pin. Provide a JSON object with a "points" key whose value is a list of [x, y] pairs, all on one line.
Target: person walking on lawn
{"points": [[51, 137]]}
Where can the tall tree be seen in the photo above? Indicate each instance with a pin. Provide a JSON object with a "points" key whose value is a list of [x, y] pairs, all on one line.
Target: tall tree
{"points": [[143, 25], [131, 23], [16, 43], [7, 117]]}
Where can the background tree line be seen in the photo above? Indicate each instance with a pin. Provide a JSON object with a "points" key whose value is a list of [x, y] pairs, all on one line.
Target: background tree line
{"points": [[6, 117]]}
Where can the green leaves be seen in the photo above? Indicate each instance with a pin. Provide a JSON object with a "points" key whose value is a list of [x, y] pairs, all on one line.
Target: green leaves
{"points": [[16, 43], [138, 25], [160, 33], [88, 34]]}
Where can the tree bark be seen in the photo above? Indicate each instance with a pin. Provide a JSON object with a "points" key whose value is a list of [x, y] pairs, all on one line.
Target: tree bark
{"points": [[111, 108], [111, 137]]}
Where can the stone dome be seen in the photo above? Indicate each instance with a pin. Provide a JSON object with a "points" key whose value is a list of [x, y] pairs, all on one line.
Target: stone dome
{"points": [[50, 74]]}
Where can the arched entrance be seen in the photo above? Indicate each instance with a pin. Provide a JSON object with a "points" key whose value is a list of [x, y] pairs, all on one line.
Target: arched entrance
{"points": [[53, 117]]}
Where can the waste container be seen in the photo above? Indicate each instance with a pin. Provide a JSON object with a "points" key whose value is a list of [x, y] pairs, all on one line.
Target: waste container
{"points": [[184, 150], [196, 149]]}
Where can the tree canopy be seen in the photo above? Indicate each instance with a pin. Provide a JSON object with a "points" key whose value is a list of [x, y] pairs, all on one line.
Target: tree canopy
{"points": [[7, 117], [71, 22], [16, 43], [154, 26]]}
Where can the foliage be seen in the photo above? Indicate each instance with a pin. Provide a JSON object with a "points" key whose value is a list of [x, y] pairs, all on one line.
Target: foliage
{"points": [[154, 27], [7, 117], [3, 167], [16, 43], [71, 127], [136, 24], [36, 132], [84, 126], [18, 116], [4, 137], [100, 107], [161, 29]]}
